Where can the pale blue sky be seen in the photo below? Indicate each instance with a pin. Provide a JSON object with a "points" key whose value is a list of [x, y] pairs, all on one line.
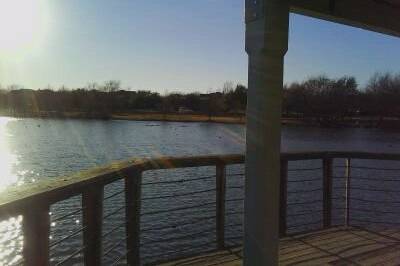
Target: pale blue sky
{"points": [[180, 45]]}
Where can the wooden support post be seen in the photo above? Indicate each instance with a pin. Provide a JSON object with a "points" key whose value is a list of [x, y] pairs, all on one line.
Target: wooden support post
{"points": [[36, 229], [92, 202], [283, 198], [327, 192], [133, 189], [348, 187], [267, 31], [220, 198]]}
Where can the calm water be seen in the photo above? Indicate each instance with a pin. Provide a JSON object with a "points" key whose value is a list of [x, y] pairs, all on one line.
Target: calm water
{"points": [[35, 149]]}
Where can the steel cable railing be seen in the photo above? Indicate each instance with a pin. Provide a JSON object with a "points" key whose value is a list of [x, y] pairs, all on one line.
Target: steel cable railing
{"points": [[163, 209], [66, 230], [185, 211], [114, 236]]}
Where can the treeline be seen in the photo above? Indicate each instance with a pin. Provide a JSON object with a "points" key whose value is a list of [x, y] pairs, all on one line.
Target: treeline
{"points": [[103, 100], [320, 98], [329, 99]]}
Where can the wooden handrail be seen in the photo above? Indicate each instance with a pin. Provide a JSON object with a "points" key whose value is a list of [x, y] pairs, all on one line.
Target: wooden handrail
{"points": [[16, 199], [34, 200]]}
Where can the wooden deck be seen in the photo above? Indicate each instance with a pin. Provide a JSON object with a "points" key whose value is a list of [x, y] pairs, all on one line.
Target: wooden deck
{"points": [[335, 246]]}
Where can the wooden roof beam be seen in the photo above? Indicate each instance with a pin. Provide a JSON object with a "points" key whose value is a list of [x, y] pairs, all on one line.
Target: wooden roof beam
{"points": [[381, 16]]}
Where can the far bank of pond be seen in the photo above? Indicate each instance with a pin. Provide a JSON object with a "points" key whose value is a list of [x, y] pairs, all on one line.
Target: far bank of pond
{"points": [[348, 122]]}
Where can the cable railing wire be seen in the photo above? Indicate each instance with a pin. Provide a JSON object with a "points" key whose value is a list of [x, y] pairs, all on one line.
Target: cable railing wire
{"points": [[202, 233], [191, 222], [180, 250], [235, 174], [376, 190], [304, 191], [233, 213], [304, 169], [375, 179], [113, 247], [233, 200], [370, 168], [304, 180], [180, 195], [115, 229], [76, 232], [179, 209], [233, 225], [120, 258], [178, 181], [374, 211], [305, 213], [114, 194], [114, 212], [234, 187], [304, 202], [71, 256], [374, 201], [57, 219]]}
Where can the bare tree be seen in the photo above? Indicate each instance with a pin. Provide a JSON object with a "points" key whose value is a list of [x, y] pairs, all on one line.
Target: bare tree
{"points": [[227, 87], [111, 86]]}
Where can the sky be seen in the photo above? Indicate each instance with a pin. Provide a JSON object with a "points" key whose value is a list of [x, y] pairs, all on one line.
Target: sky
{"points": [[168, 45]]}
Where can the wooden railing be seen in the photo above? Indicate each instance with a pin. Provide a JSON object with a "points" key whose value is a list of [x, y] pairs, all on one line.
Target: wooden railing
{"points": [[33, 201], [339, 168]]}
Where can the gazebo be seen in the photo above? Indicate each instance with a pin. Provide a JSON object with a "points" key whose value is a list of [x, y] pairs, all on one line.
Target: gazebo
{"points": [[267, 26]]}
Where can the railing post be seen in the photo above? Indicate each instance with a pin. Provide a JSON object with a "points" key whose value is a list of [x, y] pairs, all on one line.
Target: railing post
{"points": [[327, 191], [36, 229], [283, 198], [220, 204], [133, 190], [92, 202], [348, 186]]}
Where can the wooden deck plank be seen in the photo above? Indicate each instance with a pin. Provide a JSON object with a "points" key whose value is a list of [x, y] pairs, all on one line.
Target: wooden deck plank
{"points": [[334, 246]]}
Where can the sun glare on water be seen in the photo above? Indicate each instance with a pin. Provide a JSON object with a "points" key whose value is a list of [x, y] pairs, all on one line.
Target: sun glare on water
{"points": [[8, 160], [23, 24], [11, 239]]}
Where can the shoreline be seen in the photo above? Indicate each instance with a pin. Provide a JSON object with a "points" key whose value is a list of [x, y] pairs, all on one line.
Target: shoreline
{"points": [[351, 122], [174, 117], [186, 118]]}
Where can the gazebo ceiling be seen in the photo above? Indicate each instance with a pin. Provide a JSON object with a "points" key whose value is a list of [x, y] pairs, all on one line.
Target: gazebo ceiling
{"points": [[376, 15]]}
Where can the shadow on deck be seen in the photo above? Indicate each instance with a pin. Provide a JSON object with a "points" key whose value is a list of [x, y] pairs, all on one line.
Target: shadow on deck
{"points": [[334, 246]]}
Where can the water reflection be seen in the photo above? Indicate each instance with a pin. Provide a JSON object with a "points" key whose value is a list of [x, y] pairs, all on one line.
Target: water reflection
{"points": [[11, 239], [39, 149], [8, 160]]}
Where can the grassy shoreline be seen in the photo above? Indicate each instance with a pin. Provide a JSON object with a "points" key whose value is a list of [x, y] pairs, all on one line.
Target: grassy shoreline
{"points": [[150, 116], [366, 122], [181, 118]]}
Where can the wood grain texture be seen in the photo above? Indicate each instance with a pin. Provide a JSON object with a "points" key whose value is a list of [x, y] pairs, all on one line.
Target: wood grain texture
{"points": [[334, 246]]}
